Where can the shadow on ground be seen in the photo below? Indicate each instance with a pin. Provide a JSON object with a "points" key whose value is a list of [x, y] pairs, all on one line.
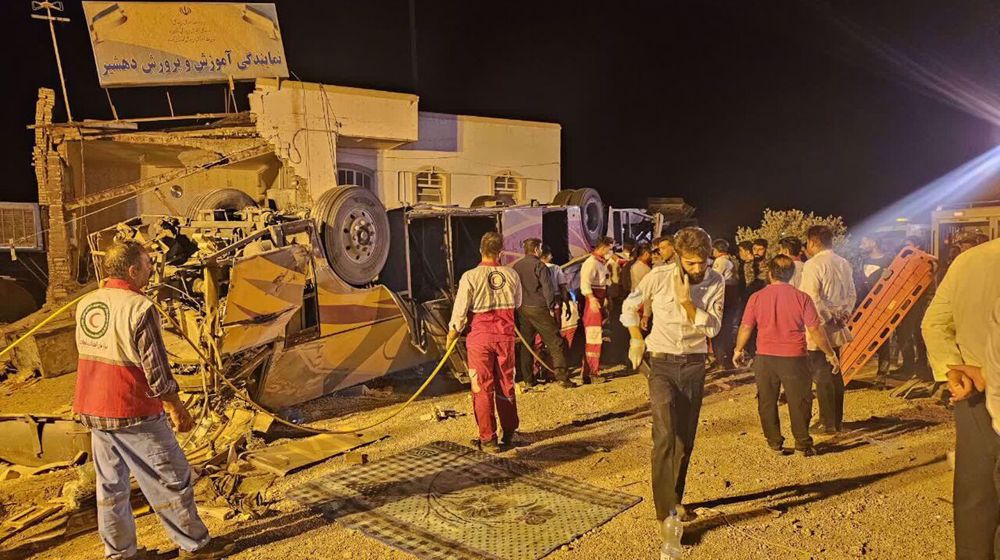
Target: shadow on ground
{"points": [[785, 497]]}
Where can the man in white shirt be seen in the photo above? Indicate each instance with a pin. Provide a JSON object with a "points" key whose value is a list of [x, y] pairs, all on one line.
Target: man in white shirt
{"points": [[956, 327], [792, 247], [686, 300], [664, 250], [829, 281], [640, 266], [594, 279], [722, 345]]}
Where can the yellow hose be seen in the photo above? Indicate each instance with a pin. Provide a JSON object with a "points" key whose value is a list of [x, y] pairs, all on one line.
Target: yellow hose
{"points": [[248, 400], [44, 322]]}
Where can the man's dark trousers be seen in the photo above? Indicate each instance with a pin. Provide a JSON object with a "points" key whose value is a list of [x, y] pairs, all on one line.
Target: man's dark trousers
{"points": [[771, 373], [977, 473], [723, 343], [533, 320], [676, 387], [829, 391]]}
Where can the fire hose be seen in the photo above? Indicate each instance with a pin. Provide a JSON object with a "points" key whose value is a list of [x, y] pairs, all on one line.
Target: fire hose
{"points": [[237, 391]]}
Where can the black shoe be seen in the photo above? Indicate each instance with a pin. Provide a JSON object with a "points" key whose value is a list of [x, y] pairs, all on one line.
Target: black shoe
{"points": [[507, 442], [586, 380], [567, 384], [780, 450], [490, 446], [807, 452], [216, 549]]}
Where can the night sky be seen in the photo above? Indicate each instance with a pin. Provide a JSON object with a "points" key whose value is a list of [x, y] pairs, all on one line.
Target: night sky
{"points": [[734, 105]]}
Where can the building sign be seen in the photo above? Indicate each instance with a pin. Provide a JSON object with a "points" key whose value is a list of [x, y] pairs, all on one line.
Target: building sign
{"points": [[174, 43]]}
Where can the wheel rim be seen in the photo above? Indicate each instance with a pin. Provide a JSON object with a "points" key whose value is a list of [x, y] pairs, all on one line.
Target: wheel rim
{"points": [[592, 215], [359, 235]]}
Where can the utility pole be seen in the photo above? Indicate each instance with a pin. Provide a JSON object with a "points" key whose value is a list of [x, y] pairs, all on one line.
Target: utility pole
{"points": [[413, 43], [48, 7]]}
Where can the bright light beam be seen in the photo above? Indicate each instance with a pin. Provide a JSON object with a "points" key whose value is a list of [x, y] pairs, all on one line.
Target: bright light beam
{"points": [[955, 186], [933, 77]]}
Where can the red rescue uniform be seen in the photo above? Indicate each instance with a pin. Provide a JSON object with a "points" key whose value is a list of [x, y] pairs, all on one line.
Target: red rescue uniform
{"points": [[485, 303]]}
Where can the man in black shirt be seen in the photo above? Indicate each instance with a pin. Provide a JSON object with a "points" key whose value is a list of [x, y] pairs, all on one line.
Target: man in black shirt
{"points": [[874, 262], [535, 314]]}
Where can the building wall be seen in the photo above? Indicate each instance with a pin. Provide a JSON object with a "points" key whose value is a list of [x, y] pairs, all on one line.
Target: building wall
{"points": [[470, 152], [306, 121]]}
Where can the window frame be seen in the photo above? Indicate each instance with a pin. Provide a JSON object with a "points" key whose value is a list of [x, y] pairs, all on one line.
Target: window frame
{"points": [[444, 186]]}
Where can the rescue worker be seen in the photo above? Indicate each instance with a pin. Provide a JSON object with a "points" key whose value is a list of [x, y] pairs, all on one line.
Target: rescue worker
{"points": [[956, 328], [535, 314], [594, 279], [686, 299], [124, 393], [827, 278], [487, 298]]}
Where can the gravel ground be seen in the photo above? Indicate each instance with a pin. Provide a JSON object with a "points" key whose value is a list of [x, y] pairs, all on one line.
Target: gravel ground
{"points": [[881, 490]]}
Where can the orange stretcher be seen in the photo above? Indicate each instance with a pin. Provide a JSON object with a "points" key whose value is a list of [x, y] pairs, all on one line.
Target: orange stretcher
{"points": [[874, 320]]}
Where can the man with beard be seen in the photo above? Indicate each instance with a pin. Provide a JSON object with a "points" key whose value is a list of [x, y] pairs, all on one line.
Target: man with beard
{"points": [[686, 300]]}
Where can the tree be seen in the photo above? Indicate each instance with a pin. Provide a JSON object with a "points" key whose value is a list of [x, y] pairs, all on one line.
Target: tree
{"points": [[777, 224]]}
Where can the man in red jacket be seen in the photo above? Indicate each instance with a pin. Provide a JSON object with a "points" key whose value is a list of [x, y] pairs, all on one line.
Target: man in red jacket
{"points": [[124, 393]]}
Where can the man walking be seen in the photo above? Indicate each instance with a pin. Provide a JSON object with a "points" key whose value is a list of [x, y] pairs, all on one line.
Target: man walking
{"points": [[686, 300], [535, 314], [828, 280], [594, 279], [124, 394], [782, 315], [487, 298], [956, 327]]}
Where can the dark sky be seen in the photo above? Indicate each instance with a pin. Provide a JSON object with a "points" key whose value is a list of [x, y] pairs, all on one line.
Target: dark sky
{"points": [[734, 105]]}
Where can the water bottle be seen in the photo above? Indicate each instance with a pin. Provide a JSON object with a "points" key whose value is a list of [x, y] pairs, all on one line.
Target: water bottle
{"points": [[670, 534]]}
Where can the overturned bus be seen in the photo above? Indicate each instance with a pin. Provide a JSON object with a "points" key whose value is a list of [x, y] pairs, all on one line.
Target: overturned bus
{"points": [[282, 291]]}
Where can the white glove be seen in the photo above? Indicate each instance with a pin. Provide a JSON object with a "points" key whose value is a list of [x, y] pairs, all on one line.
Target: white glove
{"points": [[834, 361], [636, 349]]}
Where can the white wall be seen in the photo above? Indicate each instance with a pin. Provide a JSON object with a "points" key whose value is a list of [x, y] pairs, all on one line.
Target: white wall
{"points": [[471, 151]]}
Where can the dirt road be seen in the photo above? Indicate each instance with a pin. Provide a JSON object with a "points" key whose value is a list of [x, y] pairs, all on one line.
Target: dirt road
{"points": [[881, 490]]}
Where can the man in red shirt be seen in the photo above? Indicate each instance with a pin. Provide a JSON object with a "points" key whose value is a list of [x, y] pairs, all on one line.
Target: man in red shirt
{"points": [[782, 314]]}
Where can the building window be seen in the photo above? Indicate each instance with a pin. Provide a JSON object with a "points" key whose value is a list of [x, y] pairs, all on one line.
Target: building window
{"points": [[354, 176], [507, 184], [432, 187]]}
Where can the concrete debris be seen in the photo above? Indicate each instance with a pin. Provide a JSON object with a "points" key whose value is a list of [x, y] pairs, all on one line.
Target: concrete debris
{"points": [[18, 471], [37, 440], [442, 414], [380, 393], [297, 454], [354, 458]]}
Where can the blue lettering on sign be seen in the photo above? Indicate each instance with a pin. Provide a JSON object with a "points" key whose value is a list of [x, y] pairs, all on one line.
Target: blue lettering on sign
{"points": [[207, 63]]}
